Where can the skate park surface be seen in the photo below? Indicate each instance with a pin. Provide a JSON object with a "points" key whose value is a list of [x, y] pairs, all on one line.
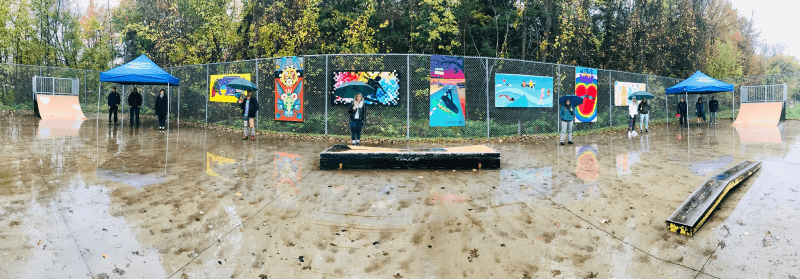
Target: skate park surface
{"points": [[198, 203]]}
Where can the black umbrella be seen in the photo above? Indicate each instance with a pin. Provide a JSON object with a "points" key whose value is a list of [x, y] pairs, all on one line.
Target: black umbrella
{"points": [[574, 100]]}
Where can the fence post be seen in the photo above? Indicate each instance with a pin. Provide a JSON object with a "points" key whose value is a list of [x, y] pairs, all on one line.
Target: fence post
{"points": [[408, 96], [257, 115], [84, 86], [179, 101], [488, 134], [610, 100], [326, 95], [207, 87]]}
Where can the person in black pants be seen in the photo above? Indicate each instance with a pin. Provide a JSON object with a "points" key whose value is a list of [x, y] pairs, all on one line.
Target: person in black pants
{"points": [[113, 105], [713, 107], [161, 109], [249, 108], [682, 110], [358, 113], [134, 101]]}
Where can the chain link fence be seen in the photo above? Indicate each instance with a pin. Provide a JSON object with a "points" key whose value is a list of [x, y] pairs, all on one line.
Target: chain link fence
{"points": [[408, 119]]}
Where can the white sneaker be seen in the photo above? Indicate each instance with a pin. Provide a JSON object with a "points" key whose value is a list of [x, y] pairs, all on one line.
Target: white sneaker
{"points": [[634, 133], [629, 134]]}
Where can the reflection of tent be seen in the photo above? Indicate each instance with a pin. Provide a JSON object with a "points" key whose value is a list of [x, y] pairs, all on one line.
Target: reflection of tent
{"points": [[135, 180]]}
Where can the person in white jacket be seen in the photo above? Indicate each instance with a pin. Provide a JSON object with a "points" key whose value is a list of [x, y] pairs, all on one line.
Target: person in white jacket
{"points": [[633, 109]]}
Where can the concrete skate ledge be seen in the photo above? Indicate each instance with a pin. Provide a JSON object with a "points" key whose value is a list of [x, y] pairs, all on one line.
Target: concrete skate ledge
{"points": [[357, 157]]}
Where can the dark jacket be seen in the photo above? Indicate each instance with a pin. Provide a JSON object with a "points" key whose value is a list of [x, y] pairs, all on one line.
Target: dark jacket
{"points": [[682, 108], [362, 112], [253, 107], [113, 99], [567, 115], [713, 106], [698, 107], [135, 99], [644, 109], [161, 105]]}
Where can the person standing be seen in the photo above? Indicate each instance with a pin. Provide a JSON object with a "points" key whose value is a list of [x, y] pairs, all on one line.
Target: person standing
{"points": [[682, 111], [113, 105], [567, 115], [701, 114], [134, 101], [358, 113], [633, 109], [161, 109], [249, 108], [713, 107], [644, 115]]}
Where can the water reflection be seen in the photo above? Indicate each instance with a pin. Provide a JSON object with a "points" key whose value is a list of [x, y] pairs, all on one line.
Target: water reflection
{"points": [[287, 175], [759, 134], [219, 163], [588, 169], [59, 128], [705, 167], [522, 185]]}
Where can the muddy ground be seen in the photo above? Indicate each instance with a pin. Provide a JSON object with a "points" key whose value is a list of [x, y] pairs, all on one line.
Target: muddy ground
{"points": [[121, 202]]}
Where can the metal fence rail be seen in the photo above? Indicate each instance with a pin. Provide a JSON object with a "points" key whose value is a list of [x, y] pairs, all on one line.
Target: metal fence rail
{"points": [[409, 119]]}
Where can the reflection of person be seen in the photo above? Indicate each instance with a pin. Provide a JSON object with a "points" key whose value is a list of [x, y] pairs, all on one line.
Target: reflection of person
{"points": [[567, 114], [161, 109], [713, 107], [633, 108], [249, 108], [134, 101], [113, 104], [644, 115], [358, 113], [682, 108], [698, 107]]}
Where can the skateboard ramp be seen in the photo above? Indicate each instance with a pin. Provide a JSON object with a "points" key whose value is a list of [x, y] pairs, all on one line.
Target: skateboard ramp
{"points": [[59, 107], [759, 114]]}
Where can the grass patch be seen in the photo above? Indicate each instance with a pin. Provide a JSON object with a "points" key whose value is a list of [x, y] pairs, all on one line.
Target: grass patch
{"points": [[793, 113]]}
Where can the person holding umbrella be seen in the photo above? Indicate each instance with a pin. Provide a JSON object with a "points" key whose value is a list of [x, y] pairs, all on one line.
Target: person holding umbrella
{"points": [[567, 115], [161, 109], [644, 115], [249, 108], [358, 114]]}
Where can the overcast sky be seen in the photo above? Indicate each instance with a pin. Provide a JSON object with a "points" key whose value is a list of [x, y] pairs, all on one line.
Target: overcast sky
{"points": [[773, 17]]}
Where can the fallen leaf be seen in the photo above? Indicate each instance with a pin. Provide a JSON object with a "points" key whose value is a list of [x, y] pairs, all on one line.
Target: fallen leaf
{"points": [[745, 232], [40, 243], [105, 256], [604, 221], [239, 194]]}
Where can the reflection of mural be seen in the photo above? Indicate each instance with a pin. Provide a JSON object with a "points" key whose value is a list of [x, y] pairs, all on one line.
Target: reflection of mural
{"points": [[522, 185], [218, 90], [623, 89], [522, 91], [287, 174], [377, 87], [625, 161], [588, 169], [213, 160], [586, 88], [450, 199], [289, 89], [448, 94]]}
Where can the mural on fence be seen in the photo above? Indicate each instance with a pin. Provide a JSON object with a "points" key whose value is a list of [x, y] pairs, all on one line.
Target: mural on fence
{"points": [[289, 89], [448, 94], [586, 88], [287, 174], [219, 91], [623, 89], [522, 91], [377, 87]]}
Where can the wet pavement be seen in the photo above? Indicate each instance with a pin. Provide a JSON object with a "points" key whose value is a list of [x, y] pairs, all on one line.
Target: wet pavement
{"points": [[89, 200]]}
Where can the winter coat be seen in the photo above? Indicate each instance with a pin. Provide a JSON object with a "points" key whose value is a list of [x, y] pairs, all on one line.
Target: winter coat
{"points": [[699, 109], [253, 107], [682, 108], [713, 106], [161, 105], [644, 108], [567, 115], [113, 99], [633, 108], [135, 99], [362, 112]]}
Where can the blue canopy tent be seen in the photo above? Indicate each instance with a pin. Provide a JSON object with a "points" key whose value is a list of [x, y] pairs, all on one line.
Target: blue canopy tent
{"points": [[140, 71], [699, 83]]}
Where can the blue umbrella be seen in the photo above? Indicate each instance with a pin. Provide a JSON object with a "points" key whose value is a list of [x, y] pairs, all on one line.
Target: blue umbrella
{"points": [[242, 84], [574, 100], [640, 95]]}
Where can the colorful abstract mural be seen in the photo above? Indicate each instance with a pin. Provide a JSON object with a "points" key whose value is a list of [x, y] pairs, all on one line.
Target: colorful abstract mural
{"points": [[218, 90], [586, 88], [623, 89], [448, 94], [377, 87], [522, 91], [289, 89]]}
